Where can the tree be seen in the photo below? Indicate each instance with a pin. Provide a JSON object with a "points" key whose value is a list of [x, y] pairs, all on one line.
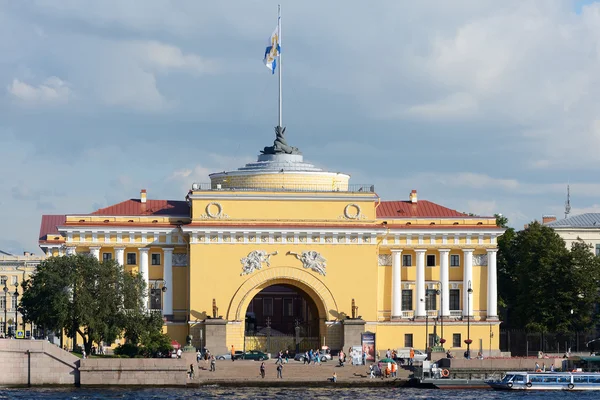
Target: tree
{"points": [[81, 295]]}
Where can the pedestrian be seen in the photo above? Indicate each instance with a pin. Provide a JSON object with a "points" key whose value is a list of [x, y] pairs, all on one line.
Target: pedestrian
{"points": [[388, 354], [287, 356], [544, 367], [191, 373], [279, 358], [213, 363], [179, 352], [537, 367], [333, 378], [551, 367], [198, 357], [372, 371], [310, 356], [341, 358], [232, 353], [279, 371], [306, 358], [411, 356], [262, 370], [364, 358], [394, 369]]}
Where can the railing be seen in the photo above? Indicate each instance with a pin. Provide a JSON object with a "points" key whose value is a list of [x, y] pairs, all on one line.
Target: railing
{"points": [[456, 313], [432, 313], [408, 314], [351, 188]]}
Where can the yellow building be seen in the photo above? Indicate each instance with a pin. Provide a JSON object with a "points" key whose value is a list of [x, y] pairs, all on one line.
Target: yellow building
{"points": [[13, 271], [279, 253]]}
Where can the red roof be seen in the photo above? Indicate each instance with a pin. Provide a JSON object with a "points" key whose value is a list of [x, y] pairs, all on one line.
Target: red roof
{"points": [[133, 207], [420, 209], [49, 225]]}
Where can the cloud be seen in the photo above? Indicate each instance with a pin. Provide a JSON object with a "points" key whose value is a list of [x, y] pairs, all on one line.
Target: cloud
{"points": [[166, 57], [455, 105], [52, 91], [482, 207]]}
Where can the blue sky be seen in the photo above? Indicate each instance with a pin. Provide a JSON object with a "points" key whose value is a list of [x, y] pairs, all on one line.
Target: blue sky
{"points": [[482, 106]]}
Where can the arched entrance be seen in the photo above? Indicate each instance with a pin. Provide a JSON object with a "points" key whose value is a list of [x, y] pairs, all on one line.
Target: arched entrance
{"points": [[315, 306]]}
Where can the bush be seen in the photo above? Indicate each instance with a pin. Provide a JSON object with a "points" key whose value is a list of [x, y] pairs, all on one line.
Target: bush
{"points": [[127, 350]]}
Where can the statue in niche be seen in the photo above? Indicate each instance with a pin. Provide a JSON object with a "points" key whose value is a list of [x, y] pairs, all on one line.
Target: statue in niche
{"points": [[215, 309], [280, 145]]}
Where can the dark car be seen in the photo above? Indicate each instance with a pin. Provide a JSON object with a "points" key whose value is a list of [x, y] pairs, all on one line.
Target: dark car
{"points": [[254, 355]]}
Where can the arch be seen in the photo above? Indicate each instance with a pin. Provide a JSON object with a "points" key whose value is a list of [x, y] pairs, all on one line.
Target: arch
{"points": [[297, 277]]}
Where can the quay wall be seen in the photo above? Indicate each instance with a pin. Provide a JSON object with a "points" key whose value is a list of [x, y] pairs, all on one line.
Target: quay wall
{"points": [[133, 371], [36, 362]]}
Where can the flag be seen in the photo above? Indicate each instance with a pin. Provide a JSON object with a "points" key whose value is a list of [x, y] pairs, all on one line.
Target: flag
{"points": [[273, 50]]}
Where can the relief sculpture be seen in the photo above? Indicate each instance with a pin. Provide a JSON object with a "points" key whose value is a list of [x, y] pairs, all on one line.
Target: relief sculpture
{"points": [[311, 260], [255, 260]]}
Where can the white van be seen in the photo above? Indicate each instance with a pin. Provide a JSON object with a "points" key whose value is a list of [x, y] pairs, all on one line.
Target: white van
{"points": [[403, 354]]}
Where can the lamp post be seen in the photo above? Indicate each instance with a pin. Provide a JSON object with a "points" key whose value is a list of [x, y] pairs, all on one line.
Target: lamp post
{"points": [[468, 341], [440, 292], [16, 294], [5, 308]]}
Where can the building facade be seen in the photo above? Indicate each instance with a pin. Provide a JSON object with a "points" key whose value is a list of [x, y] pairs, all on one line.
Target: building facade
{"points": [[584, 227], [280, 253], [13, 271]]}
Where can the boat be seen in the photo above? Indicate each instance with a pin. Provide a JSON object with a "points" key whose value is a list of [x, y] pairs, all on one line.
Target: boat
{"points": [[521, 380]]}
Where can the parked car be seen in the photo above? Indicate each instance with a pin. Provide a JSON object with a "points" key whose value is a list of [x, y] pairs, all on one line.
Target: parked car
{"points": [[255, 355], [238, 356], [323, 355], [403, 355]]}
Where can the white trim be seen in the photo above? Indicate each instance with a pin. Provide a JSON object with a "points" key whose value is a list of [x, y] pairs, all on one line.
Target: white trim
{"points": [[223, 195]]}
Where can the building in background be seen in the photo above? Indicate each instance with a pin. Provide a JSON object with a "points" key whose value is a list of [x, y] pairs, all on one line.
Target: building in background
{"points": [[282, 254], [585, 227], [13, 271]]}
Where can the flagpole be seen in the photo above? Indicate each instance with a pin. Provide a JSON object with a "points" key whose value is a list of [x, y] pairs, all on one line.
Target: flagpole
{"points": [[280, 64]]}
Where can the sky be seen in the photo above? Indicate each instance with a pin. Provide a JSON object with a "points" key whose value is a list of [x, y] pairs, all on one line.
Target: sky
{"points": [[482, 106]]}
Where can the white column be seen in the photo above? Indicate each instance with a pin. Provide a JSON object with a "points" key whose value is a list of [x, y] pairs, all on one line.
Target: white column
{"points": [[144, 273], [492, 285], [120, 255], [396, 284], [95, 252], [420, 312], [445, 289], [467, 280], [168, 277], [71, 251]]}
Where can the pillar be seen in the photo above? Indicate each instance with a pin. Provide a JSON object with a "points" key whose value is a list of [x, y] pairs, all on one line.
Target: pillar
{"points": [[71, 251], [420, 311], [95, 251], [492, 285], [120, 255], [168, 278], [144, 273], [444, 280], [396, 284], [467, 282]]}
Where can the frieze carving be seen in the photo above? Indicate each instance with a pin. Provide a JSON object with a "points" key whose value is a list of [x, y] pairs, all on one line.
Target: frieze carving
{"points": [[480, 259], [214, 210], [255, 260], [180, 259], [311, 260], [352, 211], [385, 260]]}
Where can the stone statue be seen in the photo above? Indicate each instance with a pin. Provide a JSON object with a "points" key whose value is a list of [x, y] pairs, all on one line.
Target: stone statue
{"points": [[280, 146], [354, 310], [255, 260], [311, 260], [188, 340], [215, 309]]}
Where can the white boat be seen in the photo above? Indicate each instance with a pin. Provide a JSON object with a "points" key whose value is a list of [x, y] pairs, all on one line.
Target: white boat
{"points": [[548, 381]]}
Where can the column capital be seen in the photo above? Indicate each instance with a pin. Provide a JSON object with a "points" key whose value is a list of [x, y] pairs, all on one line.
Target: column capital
{"points": [[119, 248], [396, 250], [420, 250], [495, 250], [168, 249], [95, 248], [444, 250], [468, 250], [143, 249]]}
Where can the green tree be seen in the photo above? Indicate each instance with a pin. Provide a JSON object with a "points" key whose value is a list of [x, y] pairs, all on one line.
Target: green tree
{"points": [[81, 295]]}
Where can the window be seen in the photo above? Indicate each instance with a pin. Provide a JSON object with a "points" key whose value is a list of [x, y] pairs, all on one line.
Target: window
{"points": [[13, 280], [431, 299], [454, 299], [431, 260], [155, 299], [131, 259], [106, 256], [14, 303], [155, 259], [3, 280], [408, 340], [288, 307], [598, 249], [2, 303], [268, 307], [406, 260], [454, 260], [431, 340], [407, 303], [456, 340]]}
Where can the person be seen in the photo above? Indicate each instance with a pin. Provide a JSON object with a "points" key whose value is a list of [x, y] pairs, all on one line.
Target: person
{"points": [[394, 369], [467, 354], [449, 354], [551, 367], [537, 367], [213, 363], [544, 367], [388, 354], [191, 373], [333, 378], [179, 352], [262, 370], [279, 371], [83, 353], [198, 357], [364, 358], [411, 356], [479, 355], [232, 353], [306, 358], [372, 371], [341, 358], [387, 371], [279, 359], [287, 356], [310, 356]]}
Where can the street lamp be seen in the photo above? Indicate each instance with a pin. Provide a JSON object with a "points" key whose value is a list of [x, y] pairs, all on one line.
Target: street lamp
{"points": [[426, 323], [5, 308], [16, 294], [468, 340], [440, 292]]}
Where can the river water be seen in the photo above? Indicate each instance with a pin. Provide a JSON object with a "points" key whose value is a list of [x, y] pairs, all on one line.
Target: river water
{"points": [[279, 393]]}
